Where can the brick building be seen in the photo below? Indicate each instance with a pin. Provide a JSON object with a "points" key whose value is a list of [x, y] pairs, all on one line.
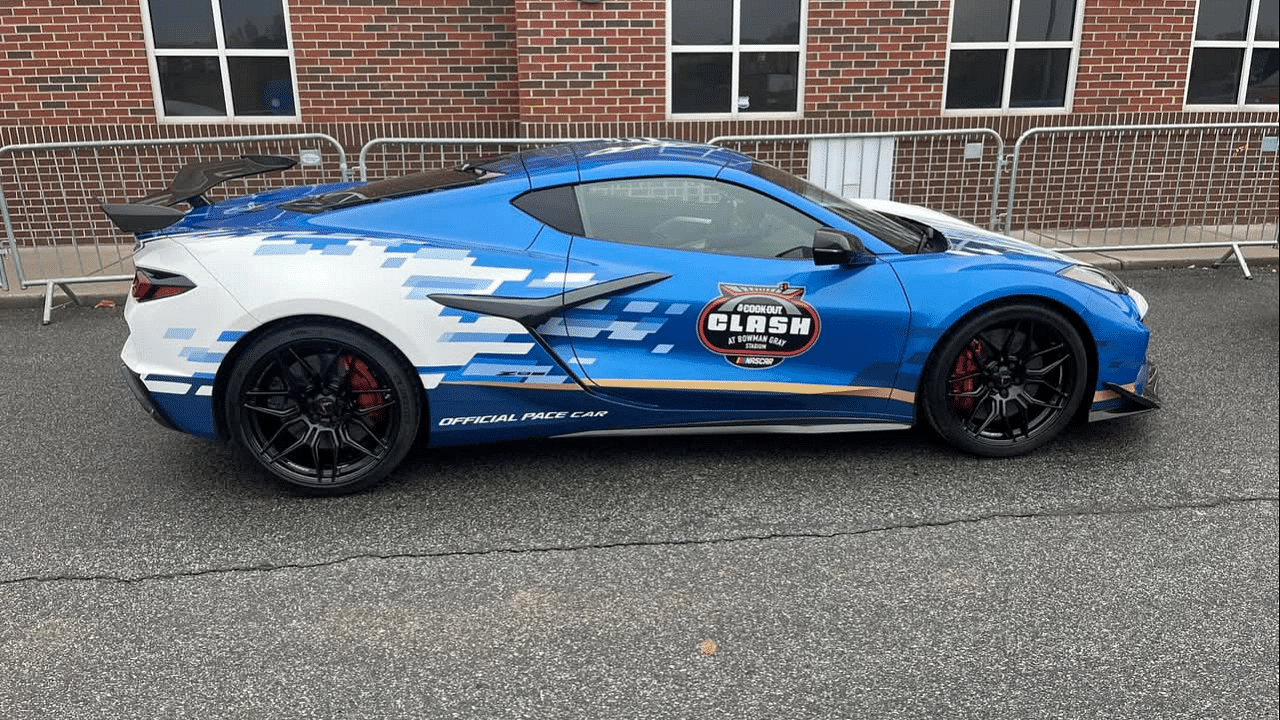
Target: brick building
{"points": [[79, 70], [683, 68]]}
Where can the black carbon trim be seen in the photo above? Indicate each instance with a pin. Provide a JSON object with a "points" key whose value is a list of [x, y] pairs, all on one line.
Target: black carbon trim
{"points": [[135, 218], [193, 180], [531, 312], [1132, 401], [143, 396], [153, 212]]}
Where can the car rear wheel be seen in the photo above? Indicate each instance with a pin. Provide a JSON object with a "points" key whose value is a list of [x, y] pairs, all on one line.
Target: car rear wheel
{"points": [[323, 407], [1006, 381]]}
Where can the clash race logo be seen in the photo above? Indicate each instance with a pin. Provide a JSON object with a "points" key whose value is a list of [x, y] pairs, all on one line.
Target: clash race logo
{"points": [[758, 327]]}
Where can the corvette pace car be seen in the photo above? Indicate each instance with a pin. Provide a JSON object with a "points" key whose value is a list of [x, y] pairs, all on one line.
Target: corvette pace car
{"points": [[595, 288]]}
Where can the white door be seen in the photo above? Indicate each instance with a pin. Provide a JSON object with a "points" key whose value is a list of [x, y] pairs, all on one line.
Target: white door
{"points": [[853, 167]]}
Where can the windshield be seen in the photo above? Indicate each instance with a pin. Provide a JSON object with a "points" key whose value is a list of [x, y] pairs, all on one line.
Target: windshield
{"points": [[875, 224]]}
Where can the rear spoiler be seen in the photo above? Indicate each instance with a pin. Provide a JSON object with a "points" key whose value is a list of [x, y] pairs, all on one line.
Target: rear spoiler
{"points": [[155, 211]]}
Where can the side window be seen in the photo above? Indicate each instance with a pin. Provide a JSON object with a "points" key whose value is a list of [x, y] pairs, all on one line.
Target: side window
{"points": [[557, 207], [694, 214], [228, 59]]}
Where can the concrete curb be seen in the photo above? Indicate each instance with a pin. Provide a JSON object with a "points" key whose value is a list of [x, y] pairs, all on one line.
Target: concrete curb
{"points": [[24, 299], [88, 294], [1255, 256]]}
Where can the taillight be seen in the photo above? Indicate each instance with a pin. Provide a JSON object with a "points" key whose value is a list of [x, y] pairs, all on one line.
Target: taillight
{"points": [[154, 284]]}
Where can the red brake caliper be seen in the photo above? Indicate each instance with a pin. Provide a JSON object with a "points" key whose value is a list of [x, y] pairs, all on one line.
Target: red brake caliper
{"points": [[966, 368], [363, 384]]}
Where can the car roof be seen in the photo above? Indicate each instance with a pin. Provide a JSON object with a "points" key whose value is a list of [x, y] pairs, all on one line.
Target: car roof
{"points": [[594, 155]]}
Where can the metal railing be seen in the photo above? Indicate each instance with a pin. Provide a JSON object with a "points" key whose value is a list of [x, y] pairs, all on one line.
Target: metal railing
{"points": [[57, 236], [4, 277], [957, 171], [1075, 189], [1106, 189]]}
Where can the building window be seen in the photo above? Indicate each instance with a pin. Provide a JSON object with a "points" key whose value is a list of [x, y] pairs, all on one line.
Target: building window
{"points": [[1235, 57], [732, 57], [227, 59], [1012, 54]]}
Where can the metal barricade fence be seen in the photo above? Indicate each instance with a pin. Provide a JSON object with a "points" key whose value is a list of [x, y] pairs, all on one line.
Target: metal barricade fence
{"points": [[1145, 187], [56, 235], [957, 171], [1077, 189]]}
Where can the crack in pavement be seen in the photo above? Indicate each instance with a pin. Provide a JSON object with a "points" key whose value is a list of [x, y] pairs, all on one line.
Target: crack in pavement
{"points": [[973, 519]]}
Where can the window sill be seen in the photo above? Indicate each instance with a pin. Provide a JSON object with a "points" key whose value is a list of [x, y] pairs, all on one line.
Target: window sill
{"points": [[1229, 108], [981, 112], [223, 120], [732, 117]]}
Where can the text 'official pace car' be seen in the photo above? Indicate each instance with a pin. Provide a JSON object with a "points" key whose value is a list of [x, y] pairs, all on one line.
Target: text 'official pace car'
{"points": [[602, 287]]}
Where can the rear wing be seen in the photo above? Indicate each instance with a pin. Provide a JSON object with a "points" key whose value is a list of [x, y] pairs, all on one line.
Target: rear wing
{"points": [[155, 211]]}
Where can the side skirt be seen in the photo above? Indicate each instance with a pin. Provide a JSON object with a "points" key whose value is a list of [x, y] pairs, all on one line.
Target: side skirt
{"points": [[818, 428]]}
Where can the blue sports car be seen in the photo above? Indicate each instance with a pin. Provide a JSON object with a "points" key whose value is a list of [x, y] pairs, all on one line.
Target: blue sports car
{"points": [[596, 288]]}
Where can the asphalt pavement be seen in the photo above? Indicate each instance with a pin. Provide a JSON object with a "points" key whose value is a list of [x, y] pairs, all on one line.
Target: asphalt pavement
{"points": [[1128, 570]]}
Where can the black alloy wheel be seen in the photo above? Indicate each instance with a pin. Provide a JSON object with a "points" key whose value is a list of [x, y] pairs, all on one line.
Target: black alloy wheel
{"points": [[324, 407], [1007, 381]]}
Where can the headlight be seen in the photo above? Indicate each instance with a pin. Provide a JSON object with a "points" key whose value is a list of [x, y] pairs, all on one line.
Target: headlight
{"points": [[1097, 277], [1139, 301]]}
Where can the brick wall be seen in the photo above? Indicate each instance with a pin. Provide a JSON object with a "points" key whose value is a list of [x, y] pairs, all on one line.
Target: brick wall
{"points": [[605, 60], [65, 63], [871, 59], [880, 58], [564, 67], [445, 60], [76, 70], [70, 62], [1134, 55]]}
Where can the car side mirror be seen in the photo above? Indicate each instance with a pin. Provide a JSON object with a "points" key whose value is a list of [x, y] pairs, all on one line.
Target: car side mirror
{"points": [[837, 247]]}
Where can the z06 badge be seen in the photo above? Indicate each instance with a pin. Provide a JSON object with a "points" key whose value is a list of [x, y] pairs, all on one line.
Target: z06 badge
{"points": [[758, 327]]}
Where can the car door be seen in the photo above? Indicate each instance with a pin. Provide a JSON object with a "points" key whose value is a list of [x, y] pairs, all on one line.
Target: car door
{"points": [[742, 320]]}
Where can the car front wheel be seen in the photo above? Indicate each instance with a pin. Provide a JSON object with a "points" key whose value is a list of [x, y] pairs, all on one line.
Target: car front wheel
{"points": [[324, 407], [1006, 381]]}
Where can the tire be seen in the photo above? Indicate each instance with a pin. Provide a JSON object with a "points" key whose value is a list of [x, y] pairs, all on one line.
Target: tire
{"points": [[1006, 381], [324, 407]]}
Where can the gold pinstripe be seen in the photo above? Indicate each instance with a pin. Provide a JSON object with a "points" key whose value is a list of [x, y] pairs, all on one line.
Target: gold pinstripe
{"points": [[721, 386], [744, 386]]}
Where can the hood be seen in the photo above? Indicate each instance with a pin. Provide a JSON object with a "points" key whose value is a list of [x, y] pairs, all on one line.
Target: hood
{"points": [[965, 237], [962, 235]]}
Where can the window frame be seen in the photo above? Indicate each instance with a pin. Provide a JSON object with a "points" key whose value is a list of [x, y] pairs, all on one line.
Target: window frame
{"points": [[222, 53], [735, 50], [1249, 44], [1011, 45]]}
